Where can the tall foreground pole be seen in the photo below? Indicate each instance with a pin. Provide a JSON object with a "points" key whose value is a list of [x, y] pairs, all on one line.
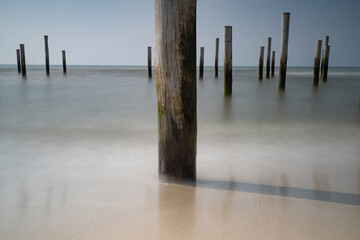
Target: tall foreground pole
{"points": [[23, 62], [228, 60], [284, 49], [317, 62], [268, 58], [18, 60], [216, 57], [47, 55], [175, 77]]}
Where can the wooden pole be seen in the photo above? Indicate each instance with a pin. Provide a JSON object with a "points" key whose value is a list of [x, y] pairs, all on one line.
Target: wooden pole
{"points": [[272, 63], [149, 62], [64, 61], [326, 43], [216, 57], [175, 76], [284, 49], [23, 62], [228, 60], [317, 62], [201, 74], [326, 63], [261, 63], [322, 63], [47, 64], [268, 58], [18, 60]]}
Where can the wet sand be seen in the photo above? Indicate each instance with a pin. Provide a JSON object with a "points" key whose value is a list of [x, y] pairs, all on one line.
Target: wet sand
{"points": [[73, 172]]}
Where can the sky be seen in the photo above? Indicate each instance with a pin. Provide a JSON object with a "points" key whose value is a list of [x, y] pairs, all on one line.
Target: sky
{"points": [[118, 32]]}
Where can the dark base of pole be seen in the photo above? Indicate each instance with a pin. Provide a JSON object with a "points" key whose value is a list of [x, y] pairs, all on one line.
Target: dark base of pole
{"points": [[228, 84], [282, 77], [316, 77]]}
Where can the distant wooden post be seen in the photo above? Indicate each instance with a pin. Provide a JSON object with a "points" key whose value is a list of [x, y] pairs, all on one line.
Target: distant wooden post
{"points": [[175, 77], [261, 63], [268, 58], [326, 43], [64, 61], [284, 49], [216, 57], [326, 63], [317, 63], [322, 63], [272, 63], [23, 62], [228, 60], [18, 60], [149, 62], [47, 55], [201, 74]]}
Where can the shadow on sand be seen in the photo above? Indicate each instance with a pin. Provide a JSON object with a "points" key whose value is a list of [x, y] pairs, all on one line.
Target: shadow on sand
{"points": [[301, 193]]}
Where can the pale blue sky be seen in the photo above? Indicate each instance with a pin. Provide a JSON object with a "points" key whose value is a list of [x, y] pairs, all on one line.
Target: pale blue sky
{"points": [[109, 32]]}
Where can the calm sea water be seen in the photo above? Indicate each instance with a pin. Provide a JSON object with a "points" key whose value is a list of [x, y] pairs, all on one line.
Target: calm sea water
{"points": [[64, 138]]}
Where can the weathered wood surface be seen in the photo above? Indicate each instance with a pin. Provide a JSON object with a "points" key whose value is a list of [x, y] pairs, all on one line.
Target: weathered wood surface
{"points": [[273, 64], [64, 61], [18, 60], [175, 76], [47, 63], [261, 63], [268, 58], [284, 49], [23, 62], [317, 62], [149, 62], [228, 60], [201, 71], [217, 57]]}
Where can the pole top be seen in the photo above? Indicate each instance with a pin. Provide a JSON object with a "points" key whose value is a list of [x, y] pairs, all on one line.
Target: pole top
{"points": [[228, 27], [286, 13]]}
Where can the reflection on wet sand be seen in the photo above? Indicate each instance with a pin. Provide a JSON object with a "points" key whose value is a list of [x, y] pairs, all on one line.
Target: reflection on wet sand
{"points": [[176, 211], [227, 110], [321, 183]]}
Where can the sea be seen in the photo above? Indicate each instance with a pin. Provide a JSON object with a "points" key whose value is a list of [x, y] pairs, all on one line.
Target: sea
{"points": [[79, 160]]}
